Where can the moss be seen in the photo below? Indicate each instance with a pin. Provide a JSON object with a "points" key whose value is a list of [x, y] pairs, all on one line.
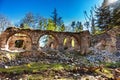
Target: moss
{"points": [[112, 65], [40, 77], [35, 77], [35, 67], [57, 67], [98, 32]]}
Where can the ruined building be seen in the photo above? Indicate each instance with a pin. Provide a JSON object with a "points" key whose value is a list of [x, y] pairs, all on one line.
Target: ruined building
{"points": [[26, 39], [13, 39], [109, 40]]}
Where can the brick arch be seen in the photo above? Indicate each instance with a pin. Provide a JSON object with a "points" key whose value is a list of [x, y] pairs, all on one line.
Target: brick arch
{"points": [[76, 40], [35, 35], [10, 41], [12, 34], [53, 35]]}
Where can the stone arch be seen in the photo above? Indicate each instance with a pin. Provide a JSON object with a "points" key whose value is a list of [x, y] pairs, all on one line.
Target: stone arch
{"points": [[19, 32], [23, 40], [55, 41], [71, 41]]}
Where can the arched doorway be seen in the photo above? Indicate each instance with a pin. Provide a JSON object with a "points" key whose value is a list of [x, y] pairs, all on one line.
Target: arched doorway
{"points": [[19, 42], [70, 42], [48, 41]]}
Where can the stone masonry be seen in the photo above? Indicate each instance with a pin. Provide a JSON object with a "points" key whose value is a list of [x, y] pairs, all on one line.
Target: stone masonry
{"points": [[31, 40]]}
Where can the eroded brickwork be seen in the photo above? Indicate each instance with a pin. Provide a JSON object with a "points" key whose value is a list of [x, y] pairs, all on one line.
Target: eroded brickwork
{"points": [[108, 40], [31, 40], [82, 40]]}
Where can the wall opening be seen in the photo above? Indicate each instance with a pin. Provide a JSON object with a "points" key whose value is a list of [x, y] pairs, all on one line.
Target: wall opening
{"points": [[48, 41], [19, 42], [70, 43]]}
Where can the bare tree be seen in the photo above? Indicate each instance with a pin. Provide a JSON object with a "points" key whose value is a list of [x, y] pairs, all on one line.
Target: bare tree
{"points": [[4, 22], [28, 19], [91, 19]]}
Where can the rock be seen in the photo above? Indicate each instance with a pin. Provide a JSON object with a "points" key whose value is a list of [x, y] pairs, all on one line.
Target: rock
{"points": [[6, 66], [102, 56], [2, 64], [117, 54]]}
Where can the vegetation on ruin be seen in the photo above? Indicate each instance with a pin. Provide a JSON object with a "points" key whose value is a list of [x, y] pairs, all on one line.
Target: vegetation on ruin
{"points": [[68, 63]]}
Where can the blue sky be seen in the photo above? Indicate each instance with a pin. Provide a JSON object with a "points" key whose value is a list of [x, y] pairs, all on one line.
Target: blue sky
{"points": [[69, 10]]}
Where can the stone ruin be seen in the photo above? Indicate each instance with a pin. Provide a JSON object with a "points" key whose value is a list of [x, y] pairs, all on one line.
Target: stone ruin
{"points": [[109, 40], [12, 37], [16, 39]]}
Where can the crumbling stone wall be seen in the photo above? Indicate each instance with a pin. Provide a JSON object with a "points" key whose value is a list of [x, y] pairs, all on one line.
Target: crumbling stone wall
{"points": [[85, 42], [82, 39], [107, 41], [26, 42], [51, 43]]}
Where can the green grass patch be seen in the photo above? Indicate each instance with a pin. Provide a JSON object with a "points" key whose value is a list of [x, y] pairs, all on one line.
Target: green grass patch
{"points": [[35, 77], [35, 67], [40, 77], [112, 65]]}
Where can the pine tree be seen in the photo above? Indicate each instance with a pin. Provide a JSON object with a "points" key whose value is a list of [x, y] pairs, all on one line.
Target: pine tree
{"points": [[116, 16], [103, 18], [58, 22], [73, 25]]}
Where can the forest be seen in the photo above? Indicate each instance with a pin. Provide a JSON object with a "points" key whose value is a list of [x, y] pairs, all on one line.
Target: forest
{"points": [[101, 18]]}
